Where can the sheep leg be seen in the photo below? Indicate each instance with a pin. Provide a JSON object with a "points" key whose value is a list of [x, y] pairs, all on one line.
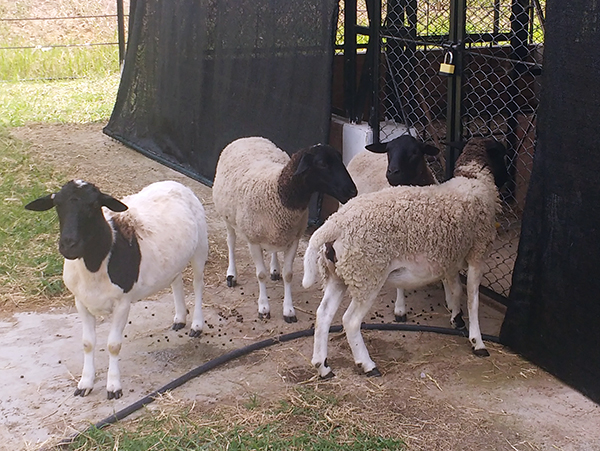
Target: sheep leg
{"points": [[400, 306], [289, 314], [86, 383], [453, 292], [115, 340], [264, 310], [352, 320], [179, 298], [198, 263], [474, 274], [332, 297], [275, 269], [231, 269]]}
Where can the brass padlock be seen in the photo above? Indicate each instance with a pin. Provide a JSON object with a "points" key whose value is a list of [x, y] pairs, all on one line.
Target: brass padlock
{"points": [[447, 68]]}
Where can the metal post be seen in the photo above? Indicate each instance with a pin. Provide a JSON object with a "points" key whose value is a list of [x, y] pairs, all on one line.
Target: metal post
{"points": [[453, 116], [375, 22], [350, 58], [121, 31]]}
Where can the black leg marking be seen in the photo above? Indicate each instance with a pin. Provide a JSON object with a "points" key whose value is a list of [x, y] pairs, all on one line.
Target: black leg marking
{"points": [[373, 373], [481, 352], [275, 276], [177, 326], [400, 318], [327, 376], [264, 315], [195, 333], [82, 392], [114, 394], [290, 319], [231, 282], [458, 322]]}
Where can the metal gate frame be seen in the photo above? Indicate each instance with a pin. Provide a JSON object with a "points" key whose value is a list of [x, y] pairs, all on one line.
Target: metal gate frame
{"points": [[501, 45]]}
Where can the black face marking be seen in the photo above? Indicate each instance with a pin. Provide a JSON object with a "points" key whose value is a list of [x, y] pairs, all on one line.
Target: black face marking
{"points": [[317, 169], [125, 258], [406, 160]]}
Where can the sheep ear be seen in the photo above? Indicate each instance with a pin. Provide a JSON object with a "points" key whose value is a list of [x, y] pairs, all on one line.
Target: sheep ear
{"points": [[377, 147], [494, 147], [305, 164], [111, 203], [41, 204], [428, 149]]}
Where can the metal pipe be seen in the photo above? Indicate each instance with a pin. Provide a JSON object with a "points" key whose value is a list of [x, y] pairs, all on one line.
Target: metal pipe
{"points": [[121, 31]]}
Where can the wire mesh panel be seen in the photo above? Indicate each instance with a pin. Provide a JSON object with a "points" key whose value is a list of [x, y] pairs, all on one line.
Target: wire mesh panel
{"points": [[414, 93], [467, 68], [500, 79]]}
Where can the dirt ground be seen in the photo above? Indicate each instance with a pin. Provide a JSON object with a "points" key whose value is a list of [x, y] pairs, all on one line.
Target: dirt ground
{"points": [[442, 397]]}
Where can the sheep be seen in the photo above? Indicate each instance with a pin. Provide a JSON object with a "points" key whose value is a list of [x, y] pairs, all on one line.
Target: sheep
{"points": [[262, 194], [410, 236], [405, 164], [126, 252]]}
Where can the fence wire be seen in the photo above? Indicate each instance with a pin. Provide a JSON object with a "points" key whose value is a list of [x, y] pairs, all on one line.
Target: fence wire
{"points": [[498, 64]]}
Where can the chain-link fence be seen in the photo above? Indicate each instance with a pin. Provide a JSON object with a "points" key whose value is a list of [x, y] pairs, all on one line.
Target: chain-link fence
{"points": [[488, 86]]}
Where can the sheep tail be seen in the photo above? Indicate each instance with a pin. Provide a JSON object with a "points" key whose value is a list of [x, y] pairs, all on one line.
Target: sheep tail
{"points": [[324, 236]]}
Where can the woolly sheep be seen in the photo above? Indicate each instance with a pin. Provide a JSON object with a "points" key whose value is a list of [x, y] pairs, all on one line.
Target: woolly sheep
{"points": [[400, 161], [262, 195], [124, 253], [411, 236]]}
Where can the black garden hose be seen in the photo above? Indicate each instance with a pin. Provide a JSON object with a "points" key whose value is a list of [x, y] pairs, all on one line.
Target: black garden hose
{"points": [[123, 413]]}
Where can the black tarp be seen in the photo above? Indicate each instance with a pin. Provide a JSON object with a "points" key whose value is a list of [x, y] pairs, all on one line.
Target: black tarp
{"points": [[200, 73], [553, 317]]}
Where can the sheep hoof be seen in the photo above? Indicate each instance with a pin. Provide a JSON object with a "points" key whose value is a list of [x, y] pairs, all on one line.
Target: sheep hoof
{"points": [[177, 326], [290, 319], [231, 281], [82, 392], [458, 322], [373, 373], [329, 375], [400, 318], [195, 333], [264, 315], [114, 394], [481, 352], [275, 276]]}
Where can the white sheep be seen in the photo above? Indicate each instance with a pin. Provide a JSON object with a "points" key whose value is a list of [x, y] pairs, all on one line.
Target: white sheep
{"points": [[262, 194], [400, 161], [410, 236], [126, 252]]}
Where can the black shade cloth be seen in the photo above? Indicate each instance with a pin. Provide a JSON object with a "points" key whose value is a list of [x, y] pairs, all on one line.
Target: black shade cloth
{"points": [[200, 73], [553, 317]]}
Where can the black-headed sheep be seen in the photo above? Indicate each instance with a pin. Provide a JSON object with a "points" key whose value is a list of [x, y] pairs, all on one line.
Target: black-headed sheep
{"points": [[262, 194], [123, 253], [410, 236], [400, 161]]}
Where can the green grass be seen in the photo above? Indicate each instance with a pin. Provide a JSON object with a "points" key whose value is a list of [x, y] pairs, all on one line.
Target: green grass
{"points": [[30, 264], [58, 62], [66, 101], [302, 421]]}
